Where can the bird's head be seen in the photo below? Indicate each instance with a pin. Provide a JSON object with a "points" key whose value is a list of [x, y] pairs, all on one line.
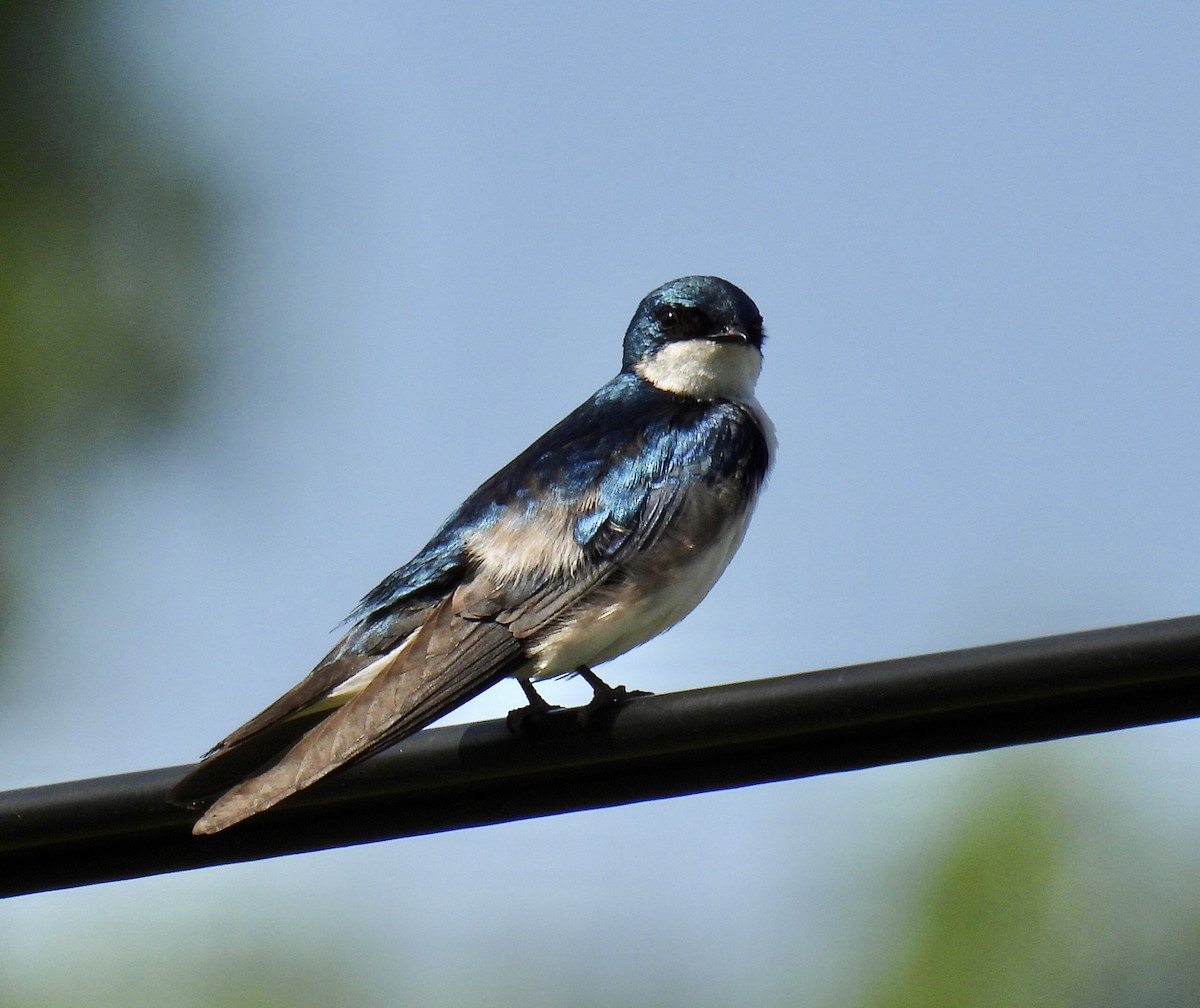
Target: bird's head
{"points": [[698, 336]]}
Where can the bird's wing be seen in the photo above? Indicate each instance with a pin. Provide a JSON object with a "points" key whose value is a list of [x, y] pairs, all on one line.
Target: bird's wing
{"points": [[384, 620], [470, 640], [442, 665]]}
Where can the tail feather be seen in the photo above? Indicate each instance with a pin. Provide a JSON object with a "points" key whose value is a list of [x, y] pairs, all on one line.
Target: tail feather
{"points": [[450, 660], [226, 766]]}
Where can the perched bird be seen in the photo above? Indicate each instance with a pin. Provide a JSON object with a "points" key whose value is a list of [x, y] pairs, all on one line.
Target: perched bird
{"points": [[606, 531]]}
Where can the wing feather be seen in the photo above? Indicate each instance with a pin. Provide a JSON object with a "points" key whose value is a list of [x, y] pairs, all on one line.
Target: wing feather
{"points": [[252, 745], [449, 660]]}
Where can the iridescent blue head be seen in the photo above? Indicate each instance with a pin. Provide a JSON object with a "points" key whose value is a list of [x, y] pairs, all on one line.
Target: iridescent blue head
{"points": [[698, 336]]}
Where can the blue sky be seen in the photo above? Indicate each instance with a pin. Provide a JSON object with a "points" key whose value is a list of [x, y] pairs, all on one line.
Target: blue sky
{"points": [[973, 233]]}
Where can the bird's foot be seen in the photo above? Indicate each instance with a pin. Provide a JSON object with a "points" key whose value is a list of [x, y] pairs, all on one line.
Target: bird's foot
{"points": [[542, 718], [606, 700], [539, 717]]}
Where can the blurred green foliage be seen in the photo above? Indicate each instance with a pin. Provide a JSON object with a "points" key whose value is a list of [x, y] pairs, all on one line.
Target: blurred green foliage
{"points": [[1047, 894], [990, 927], [103, 235]]}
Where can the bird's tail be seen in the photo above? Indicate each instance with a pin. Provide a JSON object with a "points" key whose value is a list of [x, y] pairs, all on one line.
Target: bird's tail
{"points": [[227, 765], [449, 660]]}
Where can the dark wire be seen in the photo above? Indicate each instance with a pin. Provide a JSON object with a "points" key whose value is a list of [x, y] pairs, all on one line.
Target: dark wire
{"points": [[119, 827]]}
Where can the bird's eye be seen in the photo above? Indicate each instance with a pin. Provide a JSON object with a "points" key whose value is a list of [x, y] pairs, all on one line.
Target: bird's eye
{"points": [[681, 322], [668, 318]]}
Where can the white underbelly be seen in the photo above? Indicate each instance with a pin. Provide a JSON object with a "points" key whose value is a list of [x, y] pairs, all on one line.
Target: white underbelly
{"points": [[632, 611]]}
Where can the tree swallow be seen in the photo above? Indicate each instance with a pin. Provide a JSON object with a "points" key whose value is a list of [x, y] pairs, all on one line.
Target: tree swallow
{"points": [[606, 531]]}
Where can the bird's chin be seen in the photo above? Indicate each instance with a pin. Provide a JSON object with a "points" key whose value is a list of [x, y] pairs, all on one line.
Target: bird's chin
{"points": [[704, 369]]}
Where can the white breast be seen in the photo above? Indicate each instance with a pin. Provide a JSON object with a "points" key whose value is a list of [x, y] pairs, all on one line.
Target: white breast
{"points": [[628, 613]]}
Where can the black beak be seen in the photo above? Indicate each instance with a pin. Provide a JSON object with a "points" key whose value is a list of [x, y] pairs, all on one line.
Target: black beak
{"points": [[732, 334]]}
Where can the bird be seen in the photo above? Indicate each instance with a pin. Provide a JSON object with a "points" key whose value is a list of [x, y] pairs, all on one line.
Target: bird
{"points": [[606, 531]]}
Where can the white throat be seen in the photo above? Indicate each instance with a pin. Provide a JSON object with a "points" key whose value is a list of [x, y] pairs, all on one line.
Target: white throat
{"points": [[704, 369]]}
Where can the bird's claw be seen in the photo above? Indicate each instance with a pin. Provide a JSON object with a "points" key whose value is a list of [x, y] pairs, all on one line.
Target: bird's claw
{"points": [[602, 708], [538, 719], [542, 718]]}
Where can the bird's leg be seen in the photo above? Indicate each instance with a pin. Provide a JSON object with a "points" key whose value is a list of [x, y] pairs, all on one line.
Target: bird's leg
{"points": [[605, 699], [543, 718], [535, 715], [601, 691], [536, 701]]}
